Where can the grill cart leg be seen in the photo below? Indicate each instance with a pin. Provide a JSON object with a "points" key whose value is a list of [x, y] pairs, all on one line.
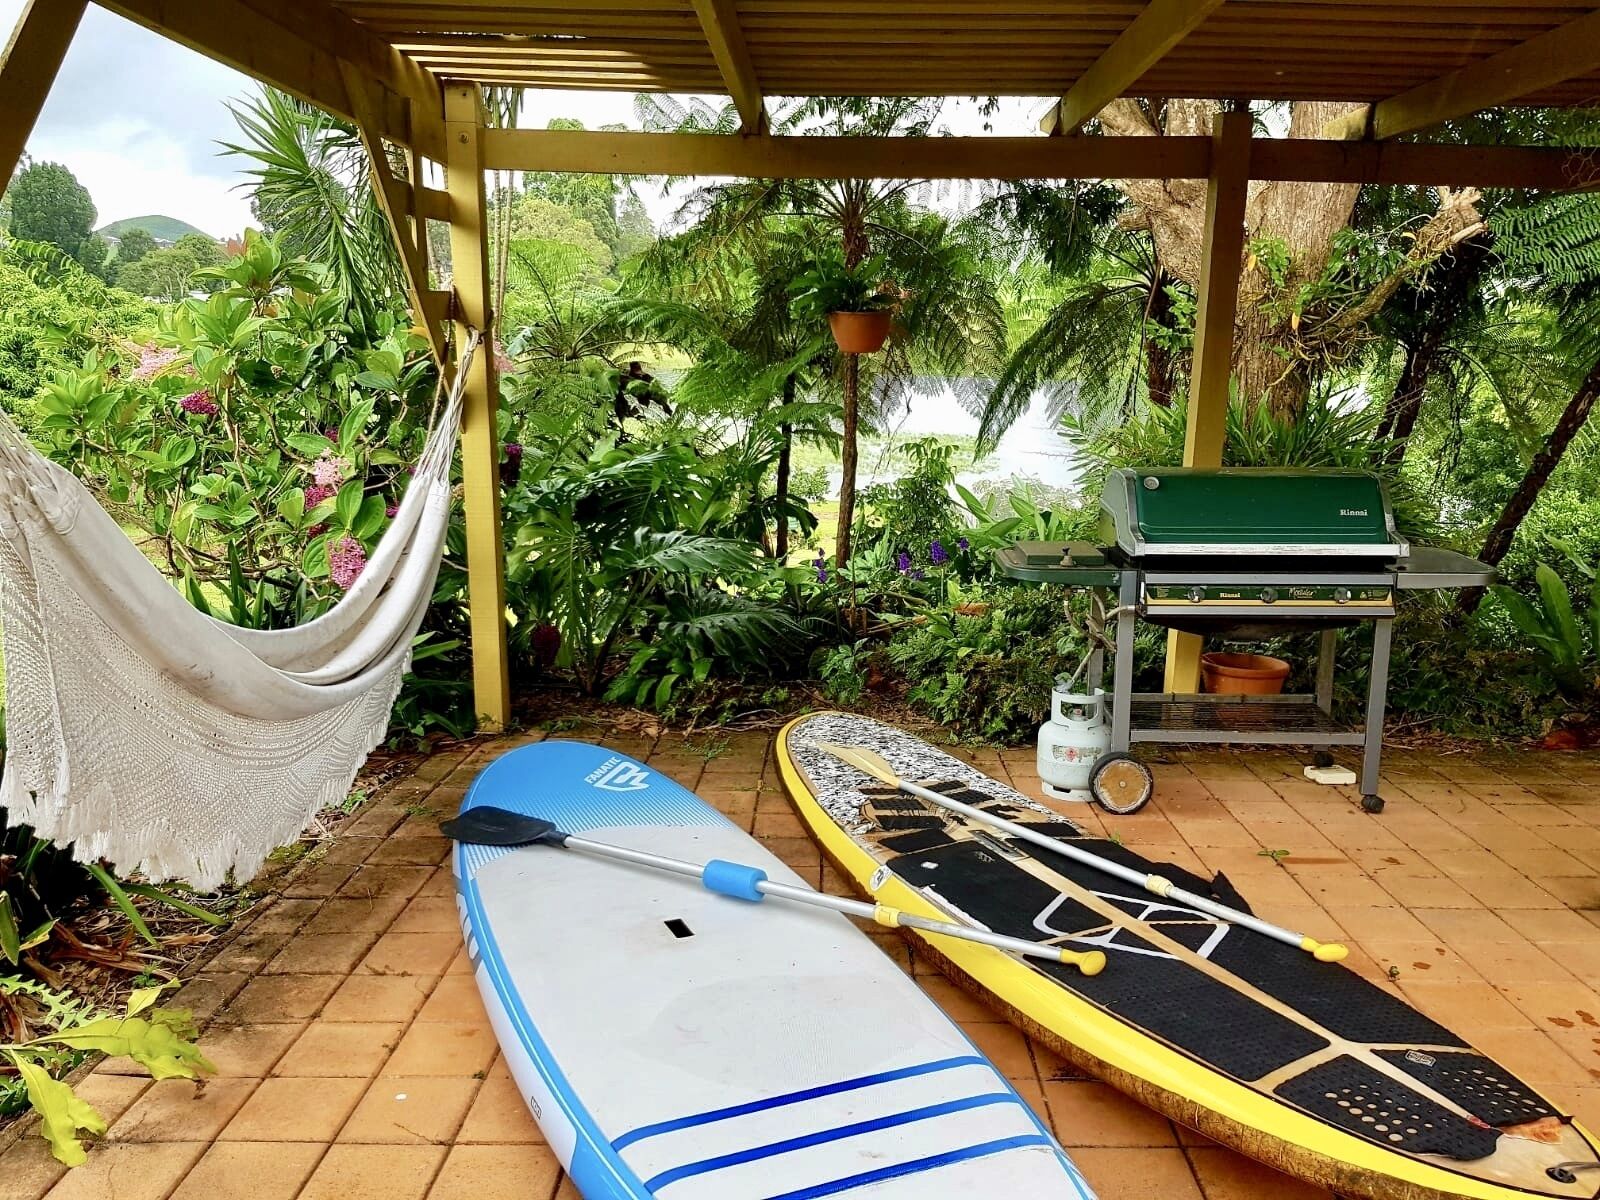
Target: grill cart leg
{"points": [[1377, 693], [1122, 666], [1327, 648]]}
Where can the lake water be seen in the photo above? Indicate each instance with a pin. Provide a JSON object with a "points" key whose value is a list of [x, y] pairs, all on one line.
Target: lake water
{"points": [[1032, 449]]}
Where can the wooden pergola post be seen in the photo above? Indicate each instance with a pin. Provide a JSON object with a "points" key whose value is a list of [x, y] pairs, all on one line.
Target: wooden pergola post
{"points": [[480, 435], [28, 68], [1221, 258]]}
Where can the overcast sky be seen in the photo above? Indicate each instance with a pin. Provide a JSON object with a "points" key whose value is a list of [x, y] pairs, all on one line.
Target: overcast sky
{"points": [[138, 118]]}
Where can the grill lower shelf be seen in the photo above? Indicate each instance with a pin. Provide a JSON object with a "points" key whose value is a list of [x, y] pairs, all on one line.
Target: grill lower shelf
{"points": [[1280, 720]]}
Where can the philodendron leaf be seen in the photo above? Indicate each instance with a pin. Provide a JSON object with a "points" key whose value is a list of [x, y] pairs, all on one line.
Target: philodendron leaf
{"points": [[61, 1113]]}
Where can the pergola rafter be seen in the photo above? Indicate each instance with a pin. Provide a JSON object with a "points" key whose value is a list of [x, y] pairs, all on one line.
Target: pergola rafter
{"points": [[409, 72]]}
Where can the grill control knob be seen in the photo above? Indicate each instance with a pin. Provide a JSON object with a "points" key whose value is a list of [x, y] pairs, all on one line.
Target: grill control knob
{"points": [[1151, 483], [1341, 595], [1197, 594], [1268, 595]]}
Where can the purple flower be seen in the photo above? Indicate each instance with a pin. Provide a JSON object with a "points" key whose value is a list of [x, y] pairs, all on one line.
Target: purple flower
{"points": [[822, 569], [316, 494], [329, 471], [346, 560], [936, 552], [392, 511], [962, 543], [511, 468], [199, 404], [919, 574], [903, 562]]}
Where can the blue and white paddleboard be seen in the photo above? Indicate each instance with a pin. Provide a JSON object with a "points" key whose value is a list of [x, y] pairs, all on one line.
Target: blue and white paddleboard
{"points": [[676, 1043]]}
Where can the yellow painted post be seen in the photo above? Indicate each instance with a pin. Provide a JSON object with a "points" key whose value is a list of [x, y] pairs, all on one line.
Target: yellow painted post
{"points": [[480, 435], [1222, 256], [28, 68]]}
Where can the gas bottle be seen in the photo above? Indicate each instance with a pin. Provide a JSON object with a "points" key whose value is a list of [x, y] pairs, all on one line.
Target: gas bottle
{"points": [[1072, 740]]}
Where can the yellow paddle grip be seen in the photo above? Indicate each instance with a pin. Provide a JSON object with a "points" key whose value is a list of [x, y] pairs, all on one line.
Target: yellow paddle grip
{"points": [[1090, 962], [1329, 952], [884, 915]]}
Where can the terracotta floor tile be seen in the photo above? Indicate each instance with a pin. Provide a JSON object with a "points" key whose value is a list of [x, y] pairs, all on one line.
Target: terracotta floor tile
{"points": [[499, 1113], [129, 1171], [427, 851], [295, 1110], [455, 999], [179, 1110], [1464, 1006], [205, 994], [1094, 1114], [1453, 925], [112, 1094], [1575, 891], [1005, 1047], [317, 880], [369, 882], [455, 1048], [411, 954], [1520, 961], [321, 954], [282, 915], [1119, 1173], [1420, 960], [1423, 891], [374, 1173], [341, 1049], [1380, 923], [345, 915], [277, 998], [958, 1003], [415, 1110], [428, 914], [251, 950], [1550, 925], [1533, 1056], [247, 1051], [497, 1173], [29, 1169], [1225, 1175], [1556, 1006], [251, 1171], [379, 998]]}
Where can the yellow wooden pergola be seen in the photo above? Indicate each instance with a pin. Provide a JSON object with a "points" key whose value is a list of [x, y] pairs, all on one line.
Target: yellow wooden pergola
{"points": [[410, 73]]}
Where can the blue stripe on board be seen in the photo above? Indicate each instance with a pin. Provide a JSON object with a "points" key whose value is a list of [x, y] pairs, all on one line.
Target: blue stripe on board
{"points": [[914, 1167], [827, 1089], [838, 1133]]}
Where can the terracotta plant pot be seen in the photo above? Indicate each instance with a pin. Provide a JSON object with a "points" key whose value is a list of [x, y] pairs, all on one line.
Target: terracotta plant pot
{"points": [[973, 608], [860, 332], [1243, 674]]}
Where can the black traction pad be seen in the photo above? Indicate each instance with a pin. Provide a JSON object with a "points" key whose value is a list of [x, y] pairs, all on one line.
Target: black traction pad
{"points": [[1357, 1097], [1480, 1085]]}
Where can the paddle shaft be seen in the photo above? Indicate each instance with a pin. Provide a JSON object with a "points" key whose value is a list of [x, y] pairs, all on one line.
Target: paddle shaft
{"points": [[743, 880], [1155, 884]]}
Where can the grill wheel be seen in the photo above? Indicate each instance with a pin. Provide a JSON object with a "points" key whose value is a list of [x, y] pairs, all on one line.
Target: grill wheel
{"points": [[1120, 783]]}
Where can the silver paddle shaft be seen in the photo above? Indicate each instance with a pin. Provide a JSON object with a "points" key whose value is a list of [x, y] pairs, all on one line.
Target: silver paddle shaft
{"points": [[1155, 884], [882, 914]]}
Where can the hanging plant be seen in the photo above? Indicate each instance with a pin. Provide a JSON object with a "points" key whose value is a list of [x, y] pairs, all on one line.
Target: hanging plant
{"points": [[857, 302]]}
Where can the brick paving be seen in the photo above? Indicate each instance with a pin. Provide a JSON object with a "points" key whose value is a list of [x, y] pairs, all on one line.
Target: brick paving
{"points": [[355, 1062]]}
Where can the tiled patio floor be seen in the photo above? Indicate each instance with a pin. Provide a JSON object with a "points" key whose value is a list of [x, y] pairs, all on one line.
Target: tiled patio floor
{"points": [[355, 1062]]}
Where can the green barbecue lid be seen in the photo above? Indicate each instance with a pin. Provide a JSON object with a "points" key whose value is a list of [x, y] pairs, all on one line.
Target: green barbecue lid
{"points": [[1254, 506]]}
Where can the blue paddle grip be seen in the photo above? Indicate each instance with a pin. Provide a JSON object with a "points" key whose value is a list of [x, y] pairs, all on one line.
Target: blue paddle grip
{"points": [[734, 879]]}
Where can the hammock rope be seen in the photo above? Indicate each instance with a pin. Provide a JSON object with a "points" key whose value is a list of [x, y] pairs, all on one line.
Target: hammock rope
{"points": [[145, 732]]}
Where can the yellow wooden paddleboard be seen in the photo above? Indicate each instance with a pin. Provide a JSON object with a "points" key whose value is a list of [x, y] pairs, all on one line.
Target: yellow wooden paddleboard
{"points": [[1303, 1065]]}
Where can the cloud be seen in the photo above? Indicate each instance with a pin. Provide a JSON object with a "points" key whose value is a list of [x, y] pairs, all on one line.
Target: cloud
{"points": [[137, 119]]}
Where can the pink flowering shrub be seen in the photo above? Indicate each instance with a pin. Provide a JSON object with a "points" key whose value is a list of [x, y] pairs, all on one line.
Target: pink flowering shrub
{"points": [[199, 404], [347, 558]]}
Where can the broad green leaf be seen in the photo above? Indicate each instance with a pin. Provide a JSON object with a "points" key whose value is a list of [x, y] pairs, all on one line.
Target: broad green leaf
{"points": [[123, 901], [370, 519], [312, 445], [61, 1113], [10, 934], [292, 506], [353, 425], [348, 505]]}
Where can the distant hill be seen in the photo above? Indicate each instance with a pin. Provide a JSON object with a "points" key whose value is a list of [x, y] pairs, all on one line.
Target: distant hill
{"points": [[163, 229]]}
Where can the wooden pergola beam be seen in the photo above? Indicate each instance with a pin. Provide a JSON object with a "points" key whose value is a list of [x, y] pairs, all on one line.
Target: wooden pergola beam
{"points": [[299, 46], [1552, 58], [720, 21], [1301, 159], [1160, 26], [28, 69]]}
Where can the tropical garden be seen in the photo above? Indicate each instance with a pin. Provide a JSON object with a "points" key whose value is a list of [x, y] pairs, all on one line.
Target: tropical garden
{"points": [[684, 430]]}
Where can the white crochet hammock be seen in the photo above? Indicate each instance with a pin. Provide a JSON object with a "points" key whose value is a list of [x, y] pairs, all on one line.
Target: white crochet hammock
{"points": [[143, 731]]}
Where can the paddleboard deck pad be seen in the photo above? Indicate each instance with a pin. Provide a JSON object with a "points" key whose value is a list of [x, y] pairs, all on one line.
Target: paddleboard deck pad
{"points": [[1304, 1065], [676, 1043]]}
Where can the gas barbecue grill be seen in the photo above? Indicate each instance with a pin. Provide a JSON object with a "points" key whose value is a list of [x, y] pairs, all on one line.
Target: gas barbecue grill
{"points": [[1245, 554]]}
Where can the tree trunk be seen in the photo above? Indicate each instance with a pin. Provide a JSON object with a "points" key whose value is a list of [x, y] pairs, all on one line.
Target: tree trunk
{"points": [[781, 487], [1538, 474], [847, 458], [1160, 363], [1391, 410], [1401, 413]]}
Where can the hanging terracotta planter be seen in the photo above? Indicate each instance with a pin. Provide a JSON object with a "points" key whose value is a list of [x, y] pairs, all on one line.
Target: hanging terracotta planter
{"points": [[861, 332]]}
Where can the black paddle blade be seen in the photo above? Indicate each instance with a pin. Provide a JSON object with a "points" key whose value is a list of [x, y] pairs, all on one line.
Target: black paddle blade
{"points": [[488, 826]]}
